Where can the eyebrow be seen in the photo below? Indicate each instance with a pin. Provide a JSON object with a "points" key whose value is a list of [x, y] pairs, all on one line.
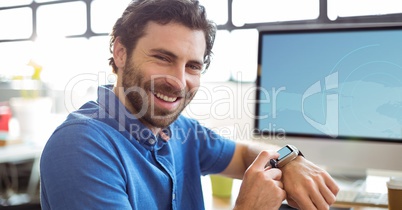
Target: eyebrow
{"points": [[174, 56]]}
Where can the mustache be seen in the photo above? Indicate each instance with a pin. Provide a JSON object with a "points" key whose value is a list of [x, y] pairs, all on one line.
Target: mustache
{"points": [[171, 91]]}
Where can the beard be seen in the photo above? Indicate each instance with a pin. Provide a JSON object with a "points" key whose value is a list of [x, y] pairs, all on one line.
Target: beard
{"points": [[140, 95]]}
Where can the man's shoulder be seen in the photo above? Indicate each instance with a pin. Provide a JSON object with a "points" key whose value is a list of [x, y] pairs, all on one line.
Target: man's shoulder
{"points": [[90, 109], [82, 129], [84, 119]]}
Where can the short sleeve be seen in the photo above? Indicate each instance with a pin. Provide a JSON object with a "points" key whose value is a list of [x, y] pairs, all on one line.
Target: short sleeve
{"points": [[215, 151]]}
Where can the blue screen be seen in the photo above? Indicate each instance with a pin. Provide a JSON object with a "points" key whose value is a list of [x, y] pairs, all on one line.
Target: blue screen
{"points": [[335, 83]]}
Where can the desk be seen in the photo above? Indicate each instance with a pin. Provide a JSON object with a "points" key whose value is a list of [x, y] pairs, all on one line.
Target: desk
{"points": [[21, 152], [32, 150], [216, 203]]}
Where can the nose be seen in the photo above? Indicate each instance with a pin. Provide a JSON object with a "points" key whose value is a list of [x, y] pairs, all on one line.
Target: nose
{"points": [[177, 77]]}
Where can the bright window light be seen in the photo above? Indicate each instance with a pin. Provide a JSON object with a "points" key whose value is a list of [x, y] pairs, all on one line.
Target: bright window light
{"points": [[62, 19], [8, 3], [244, 51], [349, 8], [99, 50], [255, 11], [16, 23], [219, 70], [104, 14], [42, 1], [14, 57], [63, 59], [234, 56], [217, 10]]}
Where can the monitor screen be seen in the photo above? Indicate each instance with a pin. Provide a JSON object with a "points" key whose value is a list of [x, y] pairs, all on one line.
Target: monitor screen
{"points": [[332, 83], [335, 92]]}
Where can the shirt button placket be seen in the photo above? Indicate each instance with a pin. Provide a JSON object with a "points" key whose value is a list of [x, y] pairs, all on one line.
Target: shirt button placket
{"points": [[151, 141], [174, 206]]}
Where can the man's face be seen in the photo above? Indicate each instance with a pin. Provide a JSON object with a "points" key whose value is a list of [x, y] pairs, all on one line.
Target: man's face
{"points": [[163, 73]]}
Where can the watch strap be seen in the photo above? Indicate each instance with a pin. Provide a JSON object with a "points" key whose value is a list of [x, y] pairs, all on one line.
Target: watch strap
{"points": [[300, 153]]}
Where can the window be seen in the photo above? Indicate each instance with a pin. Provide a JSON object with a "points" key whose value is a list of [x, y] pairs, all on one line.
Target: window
{"points": [[104, 14], [258, 11], [70, 37], [9, 3], [243, 57], [219, 69], [21, 17], [353, 8], [14, 57], [62, 19], [217, 10], [44, 1]]}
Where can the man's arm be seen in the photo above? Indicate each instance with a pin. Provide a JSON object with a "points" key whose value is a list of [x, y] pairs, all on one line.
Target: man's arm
{"points": [[244, 155], [307, 186]]}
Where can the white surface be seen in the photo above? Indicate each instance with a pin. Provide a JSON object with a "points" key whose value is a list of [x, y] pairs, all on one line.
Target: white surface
{"points": [[19, 152]]}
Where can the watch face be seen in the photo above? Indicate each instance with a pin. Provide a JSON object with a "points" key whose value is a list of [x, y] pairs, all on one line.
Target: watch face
{"points": [[283, 152]]}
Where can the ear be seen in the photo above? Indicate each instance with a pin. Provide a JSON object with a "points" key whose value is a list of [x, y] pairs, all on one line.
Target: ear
{"points": [[119, 53]]}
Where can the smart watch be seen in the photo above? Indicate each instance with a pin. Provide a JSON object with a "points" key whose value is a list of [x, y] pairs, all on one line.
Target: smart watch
{"points": [[286, 154]]}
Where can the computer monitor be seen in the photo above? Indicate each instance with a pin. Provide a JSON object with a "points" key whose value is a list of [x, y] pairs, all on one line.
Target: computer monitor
{"points": [[335, 93]]}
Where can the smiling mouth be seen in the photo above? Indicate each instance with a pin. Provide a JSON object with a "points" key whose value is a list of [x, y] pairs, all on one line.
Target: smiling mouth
{"points": [[165, 97]]}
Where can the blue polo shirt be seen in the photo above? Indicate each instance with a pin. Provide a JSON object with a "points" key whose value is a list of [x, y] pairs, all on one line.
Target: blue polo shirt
{"points": [[102, 157]]}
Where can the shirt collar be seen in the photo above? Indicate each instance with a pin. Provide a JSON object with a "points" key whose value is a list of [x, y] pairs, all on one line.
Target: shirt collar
{"points": [[127, 121]]}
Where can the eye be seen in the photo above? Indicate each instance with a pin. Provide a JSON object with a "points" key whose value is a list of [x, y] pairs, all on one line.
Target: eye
{"points": [[162, 58], [193, 67]]}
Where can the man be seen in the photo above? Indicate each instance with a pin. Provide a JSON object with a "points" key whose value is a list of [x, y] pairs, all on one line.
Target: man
{"points": [[133, 150]]}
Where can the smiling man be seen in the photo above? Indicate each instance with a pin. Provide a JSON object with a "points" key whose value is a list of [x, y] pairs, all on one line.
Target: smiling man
{"points": [[132, 148], [166, 66]]}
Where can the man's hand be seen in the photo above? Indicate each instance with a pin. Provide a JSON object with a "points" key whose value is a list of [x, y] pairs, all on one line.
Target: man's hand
{"points": [[308, 187], [261, 187]]}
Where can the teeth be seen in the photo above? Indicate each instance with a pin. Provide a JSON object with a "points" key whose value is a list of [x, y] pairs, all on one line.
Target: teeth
{"points": [[166, 98]]}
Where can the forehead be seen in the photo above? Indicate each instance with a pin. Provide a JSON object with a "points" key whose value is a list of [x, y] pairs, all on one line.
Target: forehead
{"points": [[174, 37]]}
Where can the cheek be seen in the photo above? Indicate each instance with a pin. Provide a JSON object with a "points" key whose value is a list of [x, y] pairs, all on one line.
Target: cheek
{"points": [[193, 82]]}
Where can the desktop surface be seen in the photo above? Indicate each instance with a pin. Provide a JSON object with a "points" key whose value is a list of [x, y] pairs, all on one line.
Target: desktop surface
{"points": [[373, 183]]}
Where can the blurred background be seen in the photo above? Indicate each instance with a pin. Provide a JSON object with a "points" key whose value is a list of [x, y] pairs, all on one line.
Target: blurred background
{"points": [[59, 42], [54, 53]]}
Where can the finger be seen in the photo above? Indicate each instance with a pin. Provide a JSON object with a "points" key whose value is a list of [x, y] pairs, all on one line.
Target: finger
{"points": [[274, 174], [330, 182], [292, 203], [279, 184], [262, 159], [328, 196], [284, 195], [329, 190], [319, 200], [304, 202], [308, 205], [271, 162]]}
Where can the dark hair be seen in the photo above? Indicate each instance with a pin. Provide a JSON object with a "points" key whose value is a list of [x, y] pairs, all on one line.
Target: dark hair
{"points": [[131, 25]]}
